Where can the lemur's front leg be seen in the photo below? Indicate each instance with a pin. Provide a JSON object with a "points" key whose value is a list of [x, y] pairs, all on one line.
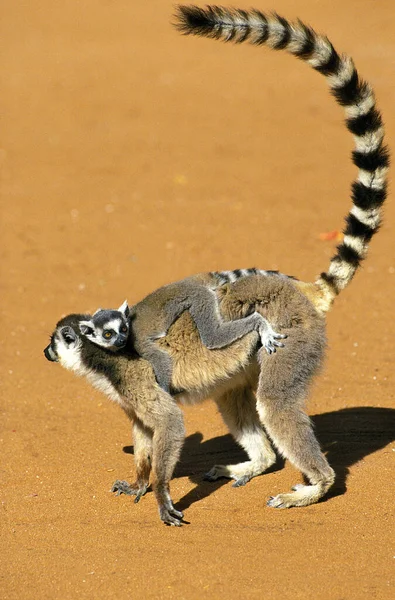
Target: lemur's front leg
{"points": [[142, 439], [158, 436]]}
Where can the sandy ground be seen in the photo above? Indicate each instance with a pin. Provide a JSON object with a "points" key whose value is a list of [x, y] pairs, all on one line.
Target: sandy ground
{"points": [[133, 157]]}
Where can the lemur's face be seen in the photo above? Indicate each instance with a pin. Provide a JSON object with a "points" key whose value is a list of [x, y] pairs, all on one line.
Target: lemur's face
{"points": [[107, 328], [65, 345]]}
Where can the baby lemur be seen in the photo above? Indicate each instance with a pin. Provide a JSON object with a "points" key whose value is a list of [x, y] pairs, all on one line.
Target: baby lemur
{"points": [[151, 319], [260, 397]]}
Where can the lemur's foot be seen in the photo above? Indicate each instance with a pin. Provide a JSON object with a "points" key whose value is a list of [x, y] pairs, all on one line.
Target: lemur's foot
{"points": [[270, 339], [170, 516], [243, 472], [303, 495], [133, 489]]}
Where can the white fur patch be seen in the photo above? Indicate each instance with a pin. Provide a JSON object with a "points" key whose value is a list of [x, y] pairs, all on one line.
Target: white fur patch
{"points": [[115, 324], [276, 33], [70, 358], [363, 106], [322, 52], [341, 271], [371, 218], [298, 39], [370, 141], [356, 244], [375, 180], [104, 385], [344, 74]]}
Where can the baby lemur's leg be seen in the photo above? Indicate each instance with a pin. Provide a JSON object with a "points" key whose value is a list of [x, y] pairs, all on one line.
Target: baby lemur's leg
{"points": [[142, 439], [291, 431], [238, 410], [216, 333], [160, 413]]}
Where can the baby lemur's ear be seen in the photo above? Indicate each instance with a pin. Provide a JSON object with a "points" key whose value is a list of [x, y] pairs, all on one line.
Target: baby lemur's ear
{"points": [[124, 309], [86, 327]]}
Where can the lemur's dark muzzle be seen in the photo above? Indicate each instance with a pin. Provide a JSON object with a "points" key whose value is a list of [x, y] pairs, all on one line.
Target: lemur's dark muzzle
{"points": [[121, 341], [50, 354]]}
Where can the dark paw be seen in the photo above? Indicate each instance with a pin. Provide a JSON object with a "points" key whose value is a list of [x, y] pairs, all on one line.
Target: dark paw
{"points": [[241, 481], [215, 473], [209, 477], [123, 487], [171, 516]]}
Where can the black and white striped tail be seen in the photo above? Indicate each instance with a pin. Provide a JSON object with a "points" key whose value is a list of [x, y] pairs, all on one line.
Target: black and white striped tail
{"points": [[363, 119]]}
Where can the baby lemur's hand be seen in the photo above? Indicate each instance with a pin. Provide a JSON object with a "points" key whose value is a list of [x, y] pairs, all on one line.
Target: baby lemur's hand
{"points": [[270, 339]]}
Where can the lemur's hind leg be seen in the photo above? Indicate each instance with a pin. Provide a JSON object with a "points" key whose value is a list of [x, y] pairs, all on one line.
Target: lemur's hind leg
{"points": [[291, 432], [142, 439], [238, 410]]}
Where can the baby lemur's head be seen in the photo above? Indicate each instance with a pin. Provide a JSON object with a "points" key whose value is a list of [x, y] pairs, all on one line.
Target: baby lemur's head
{"points": [[108, 328]]}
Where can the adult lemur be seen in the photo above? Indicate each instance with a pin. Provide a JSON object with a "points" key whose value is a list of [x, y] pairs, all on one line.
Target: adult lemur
{"points": [[251, 388], [142, 325]]}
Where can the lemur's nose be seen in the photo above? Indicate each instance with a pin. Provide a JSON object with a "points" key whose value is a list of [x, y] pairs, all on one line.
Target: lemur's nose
{"points": [[50, 354], [120, 341]]}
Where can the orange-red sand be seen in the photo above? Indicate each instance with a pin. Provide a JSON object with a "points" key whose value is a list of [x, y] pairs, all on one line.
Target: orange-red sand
{"points": [[133, 157]]}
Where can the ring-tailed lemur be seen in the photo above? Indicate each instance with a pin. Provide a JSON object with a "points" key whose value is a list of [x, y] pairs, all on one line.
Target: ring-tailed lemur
{"points": [[108, 328], [250, 388], [141, 326]]}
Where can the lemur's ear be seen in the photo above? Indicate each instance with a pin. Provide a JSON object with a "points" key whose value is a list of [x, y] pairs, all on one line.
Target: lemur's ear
{"points": [[124, 309], [68, 334], [86, 327], [97, 311]]}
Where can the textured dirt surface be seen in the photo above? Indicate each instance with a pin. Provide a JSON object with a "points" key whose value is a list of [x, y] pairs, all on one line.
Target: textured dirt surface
{"points": [[132, 157]]}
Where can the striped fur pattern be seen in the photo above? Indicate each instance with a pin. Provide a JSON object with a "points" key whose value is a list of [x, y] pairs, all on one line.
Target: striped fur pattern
{"points": [[224, 277], [363, 119]]}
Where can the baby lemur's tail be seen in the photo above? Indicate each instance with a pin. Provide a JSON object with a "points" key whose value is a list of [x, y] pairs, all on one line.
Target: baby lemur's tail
{"points": [[363, 120]]}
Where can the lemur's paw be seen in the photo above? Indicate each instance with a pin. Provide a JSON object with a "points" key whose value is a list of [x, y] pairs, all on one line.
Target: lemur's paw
{"points": [[239, 473], [270, 340], [134, 489], [215, 473], [171, 516], [302, 495], [242, 481]]}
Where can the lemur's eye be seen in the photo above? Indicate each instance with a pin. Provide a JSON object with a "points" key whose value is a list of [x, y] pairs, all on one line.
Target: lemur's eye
{"points": [[107, 334], [124, 329]]}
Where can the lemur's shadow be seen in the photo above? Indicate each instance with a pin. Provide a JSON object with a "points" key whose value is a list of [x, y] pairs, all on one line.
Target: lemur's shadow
{"points": [[346, 437]]}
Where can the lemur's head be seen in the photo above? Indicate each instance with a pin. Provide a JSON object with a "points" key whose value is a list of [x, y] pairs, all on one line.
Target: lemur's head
{"points": [[108, 328], [66, 342]]}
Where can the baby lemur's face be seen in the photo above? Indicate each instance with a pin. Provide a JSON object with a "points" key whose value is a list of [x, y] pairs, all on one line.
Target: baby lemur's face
{"points": [[108, 328]]}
